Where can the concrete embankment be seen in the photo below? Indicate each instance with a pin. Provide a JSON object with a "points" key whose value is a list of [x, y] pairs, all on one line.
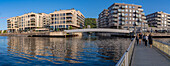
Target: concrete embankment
{"points": [[42, 34]]}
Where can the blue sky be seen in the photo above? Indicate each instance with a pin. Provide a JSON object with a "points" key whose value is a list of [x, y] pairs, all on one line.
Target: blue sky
{"points": [[90, 8]]}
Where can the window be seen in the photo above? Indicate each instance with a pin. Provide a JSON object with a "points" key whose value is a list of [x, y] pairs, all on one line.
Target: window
{"points": [[126, 10], [133, 18], [61, 14], [129, 14], [57, 14], [123, 10], [130, 6], [130, 10], [126, 14]]}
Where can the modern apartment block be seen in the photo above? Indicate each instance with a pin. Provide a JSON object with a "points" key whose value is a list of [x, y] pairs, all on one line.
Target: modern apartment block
{"points": [[160, 20], [13, 24], [124, 16], [63, 19], [33, 20], [103, 19], [66, 19], [28, 22]]}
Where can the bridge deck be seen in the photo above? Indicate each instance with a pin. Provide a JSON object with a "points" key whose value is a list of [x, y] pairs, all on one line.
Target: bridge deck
{"points": [[145, 56]]}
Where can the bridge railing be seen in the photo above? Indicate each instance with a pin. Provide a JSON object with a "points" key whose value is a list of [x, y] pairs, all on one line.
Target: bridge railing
{"points": [[163, 47], [127, 56]]}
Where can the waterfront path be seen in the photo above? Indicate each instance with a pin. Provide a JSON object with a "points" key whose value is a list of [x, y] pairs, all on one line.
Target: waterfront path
{"points": [[145, 56]]}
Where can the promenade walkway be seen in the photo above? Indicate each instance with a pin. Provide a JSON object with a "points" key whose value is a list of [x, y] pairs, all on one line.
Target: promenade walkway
{"points": [[145, 56]]}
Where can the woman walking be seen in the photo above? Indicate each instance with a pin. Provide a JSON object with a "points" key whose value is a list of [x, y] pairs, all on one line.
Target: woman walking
{"points": [[150, 40], [140, 38], [137, 39], [146, 40]]}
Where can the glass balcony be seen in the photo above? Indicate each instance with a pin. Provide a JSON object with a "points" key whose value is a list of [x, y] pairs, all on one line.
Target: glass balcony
{"points": [[115, 7], [158, 15], [123, 7], [114, 15], [140, 9], [144, 17], [69, 19], [119, 10]]}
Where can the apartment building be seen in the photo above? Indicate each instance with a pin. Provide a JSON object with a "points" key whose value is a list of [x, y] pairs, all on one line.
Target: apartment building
{"points": [[66, 19], [124, 16], [160, 20], [103, 19], [28, 22], [32, 20], [13, 24]]}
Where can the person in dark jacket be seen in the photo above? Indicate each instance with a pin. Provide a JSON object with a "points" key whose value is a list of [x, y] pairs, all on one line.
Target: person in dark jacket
{"points": [[150, 40], [137, 39], [140, 38]]}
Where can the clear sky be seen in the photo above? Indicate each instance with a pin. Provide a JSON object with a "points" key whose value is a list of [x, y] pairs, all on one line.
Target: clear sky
{"points": [[90, 8]]}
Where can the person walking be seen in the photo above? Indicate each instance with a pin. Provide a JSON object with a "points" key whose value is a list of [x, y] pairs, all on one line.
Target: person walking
{"points": [[140, 38], [137, 39], [143, 38], [146, 40], [150, 40]]}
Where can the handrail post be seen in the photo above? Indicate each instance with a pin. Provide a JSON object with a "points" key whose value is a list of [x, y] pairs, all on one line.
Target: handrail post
{"points": [[126, 59]]}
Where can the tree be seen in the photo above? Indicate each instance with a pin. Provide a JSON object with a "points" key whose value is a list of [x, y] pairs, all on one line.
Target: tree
{"points": [[91, 22], [70, 27], [5, 31]]}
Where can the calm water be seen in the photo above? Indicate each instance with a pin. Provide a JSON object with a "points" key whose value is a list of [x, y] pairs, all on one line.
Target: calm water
{"points": [[61, 51]]}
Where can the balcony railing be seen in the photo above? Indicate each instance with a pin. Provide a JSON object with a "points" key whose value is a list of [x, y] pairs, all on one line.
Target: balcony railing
{"points": [[115, 7], [69, 15], [158, 15], [68, 19], [140, 9], [114, 15]]}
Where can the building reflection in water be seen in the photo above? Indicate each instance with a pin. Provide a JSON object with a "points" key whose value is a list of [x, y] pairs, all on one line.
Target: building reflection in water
{"points": [[70, 50]]}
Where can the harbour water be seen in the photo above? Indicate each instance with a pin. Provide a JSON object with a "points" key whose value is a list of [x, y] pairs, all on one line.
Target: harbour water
{"points": [[61, 51]]}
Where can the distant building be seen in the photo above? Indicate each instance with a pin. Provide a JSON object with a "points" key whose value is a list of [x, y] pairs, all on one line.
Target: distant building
{"points": [[122, 16], [103, 19], [28, 22], [64, 19], [160, 20]]}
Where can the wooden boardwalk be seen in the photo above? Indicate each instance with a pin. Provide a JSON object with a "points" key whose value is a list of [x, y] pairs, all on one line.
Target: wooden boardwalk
{"points": [[145, 56]]}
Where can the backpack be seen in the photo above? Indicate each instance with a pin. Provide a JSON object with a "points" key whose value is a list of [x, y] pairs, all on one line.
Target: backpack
{"points": [[144, 38]]}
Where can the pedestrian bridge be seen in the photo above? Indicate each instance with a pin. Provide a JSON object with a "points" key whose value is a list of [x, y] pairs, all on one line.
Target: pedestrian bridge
{"points": [[140, 55], [98, 30]]}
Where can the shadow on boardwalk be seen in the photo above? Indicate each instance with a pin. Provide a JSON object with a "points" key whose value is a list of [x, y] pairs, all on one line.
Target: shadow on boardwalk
{"points": [[145, 56]]}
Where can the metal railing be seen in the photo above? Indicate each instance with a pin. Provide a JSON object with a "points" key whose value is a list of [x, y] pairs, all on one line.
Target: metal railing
{"points": [[163, 47], [127, 56]]}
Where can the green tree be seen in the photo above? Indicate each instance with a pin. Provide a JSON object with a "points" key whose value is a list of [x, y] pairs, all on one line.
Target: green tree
{"points": [[5, 31], [91, 22], [70, 27]]}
